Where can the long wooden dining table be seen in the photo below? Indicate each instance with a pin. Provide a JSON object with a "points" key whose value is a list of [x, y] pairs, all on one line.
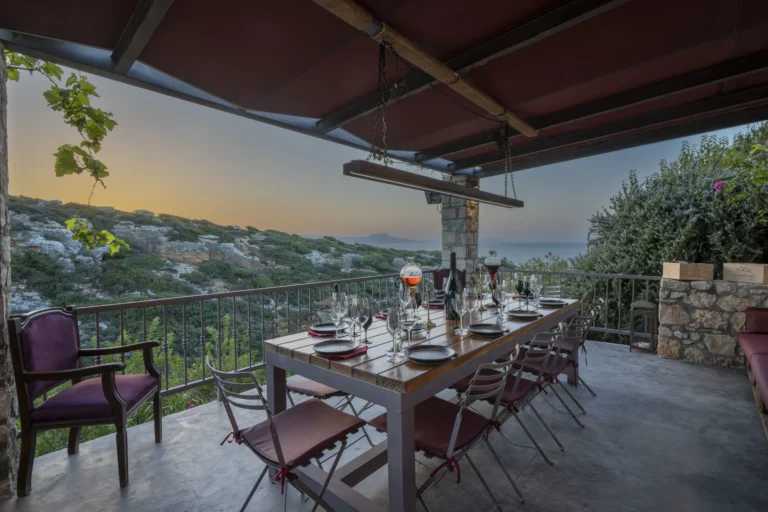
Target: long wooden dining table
{"points": [[398, 387]]}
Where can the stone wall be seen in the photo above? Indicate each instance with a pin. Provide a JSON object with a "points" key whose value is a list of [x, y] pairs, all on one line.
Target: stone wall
{"points": [[699, 320], [8, 448], [461, 223]]}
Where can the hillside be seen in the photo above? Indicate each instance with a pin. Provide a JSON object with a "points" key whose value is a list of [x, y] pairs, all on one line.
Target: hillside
{"points": [[170, 256]]}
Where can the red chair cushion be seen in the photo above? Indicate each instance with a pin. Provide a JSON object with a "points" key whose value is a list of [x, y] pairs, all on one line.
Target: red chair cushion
{"points": [[433, 422], [760, 373], [297, 384], [303, 431], [752, 344], [86, 401], [757, 320]]}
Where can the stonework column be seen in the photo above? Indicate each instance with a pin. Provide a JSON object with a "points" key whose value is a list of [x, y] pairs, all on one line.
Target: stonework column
{"points": [[8, 447], [461, 223]]}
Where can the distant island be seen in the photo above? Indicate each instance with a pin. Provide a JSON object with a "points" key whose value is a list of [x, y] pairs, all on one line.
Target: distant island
{"points": [[386, 240]]}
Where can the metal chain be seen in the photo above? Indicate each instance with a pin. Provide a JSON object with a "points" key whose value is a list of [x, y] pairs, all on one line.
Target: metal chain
{"points": [[380, 152], [505, 149]]}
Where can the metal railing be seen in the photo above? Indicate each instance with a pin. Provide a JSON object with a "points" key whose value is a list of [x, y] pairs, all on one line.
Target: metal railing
{"points": [[231, 326], [612, 293]]}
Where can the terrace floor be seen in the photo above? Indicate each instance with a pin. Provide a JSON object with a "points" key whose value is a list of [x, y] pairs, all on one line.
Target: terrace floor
{"points": [[660, 435]]}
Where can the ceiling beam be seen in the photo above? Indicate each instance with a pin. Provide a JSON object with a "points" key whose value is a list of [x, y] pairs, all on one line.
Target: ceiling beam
{"points": [[354, 14], [521, 36], [675, 131], [726, 71], [144, 20], [714, 113]]}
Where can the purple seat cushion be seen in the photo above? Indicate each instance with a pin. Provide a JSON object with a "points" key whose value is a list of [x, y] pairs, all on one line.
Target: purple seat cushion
{"points": [[757, 320], [49, 342], [760, 373], [752, 344], [86, 401]]}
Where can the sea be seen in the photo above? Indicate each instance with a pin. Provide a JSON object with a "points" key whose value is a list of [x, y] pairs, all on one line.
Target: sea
{"points": [[514, 252]]}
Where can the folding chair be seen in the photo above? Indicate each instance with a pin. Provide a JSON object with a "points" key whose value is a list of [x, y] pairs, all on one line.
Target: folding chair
{"points": [[575, 338], [550, 371], [286, 440], [448, 431], [519, 392]]}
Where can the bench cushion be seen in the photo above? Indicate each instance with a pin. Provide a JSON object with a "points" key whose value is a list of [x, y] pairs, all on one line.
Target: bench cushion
{"points": [[298, 384], [760, 373], [752, 344], [757, 320]]}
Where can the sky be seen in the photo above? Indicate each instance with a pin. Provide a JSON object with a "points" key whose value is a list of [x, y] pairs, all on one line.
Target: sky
{"points": [[171, 156]]}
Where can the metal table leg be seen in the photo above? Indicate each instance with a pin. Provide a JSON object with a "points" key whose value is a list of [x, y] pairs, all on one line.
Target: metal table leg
{"points": [[401, 460]]}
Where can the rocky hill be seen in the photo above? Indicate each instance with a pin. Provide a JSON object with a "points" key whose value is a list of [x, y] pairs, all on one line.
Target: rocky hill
{"points": [[170, 256]]}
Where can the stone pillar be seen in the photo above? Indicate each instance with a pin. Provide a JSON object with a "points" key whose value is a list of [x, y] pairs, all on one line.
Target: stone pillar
{"points": [[461, 223], [8, 447]]}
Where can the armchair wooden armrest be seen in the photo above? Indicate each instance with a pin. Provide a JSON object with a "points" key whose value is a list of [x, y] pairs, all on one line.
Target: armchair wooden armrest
{"points": [[145, 346], [75, 373], [105, 351]]}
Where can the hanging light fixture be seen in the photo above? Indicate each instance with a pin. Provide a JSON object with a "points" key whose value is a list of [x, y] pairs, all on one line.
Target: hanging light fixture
{"points": [[375, 172]]}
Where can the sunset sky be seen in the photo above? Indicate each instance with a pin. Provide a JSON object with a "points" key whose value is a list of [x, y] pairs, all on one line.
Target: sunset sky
{"points": [[170, 156]]}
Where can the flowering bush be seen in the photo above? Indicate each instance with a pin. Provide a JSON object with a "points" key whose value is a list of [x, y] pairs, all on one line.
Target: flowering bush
{"points": [[710, 205]]}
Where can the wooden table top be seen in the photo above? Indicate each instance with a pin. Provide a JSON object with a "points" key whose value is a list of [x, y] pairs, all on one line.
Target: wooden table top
{"points": [[405, 376]]}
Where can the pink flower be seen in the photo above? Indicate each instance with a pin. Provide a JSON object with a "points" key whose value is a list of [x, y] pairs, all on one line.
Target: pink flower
{"points": [[719, 185], [766, 142], [190, 405]]}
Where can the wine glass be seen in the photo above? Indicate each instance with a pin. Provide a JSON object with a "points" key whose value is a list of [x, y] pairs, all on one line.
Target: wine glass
{"points": [[519, 287], [339, 307], [473, 302], [408, 320], [367, 309], [460, 305], [527, 290], [498, 298], [393, 328], [536, 286], [354, 312]]}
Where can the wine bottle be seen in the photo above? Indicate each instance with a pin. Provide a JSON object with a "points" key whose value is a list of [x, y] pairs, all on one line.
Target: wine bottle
{"points": [[452, 290]]}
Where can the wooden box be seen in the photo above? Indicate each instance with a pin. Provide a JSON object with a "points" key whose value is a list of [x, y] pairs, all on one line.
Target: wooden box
{"points": [[689, 271], [746, 272]]}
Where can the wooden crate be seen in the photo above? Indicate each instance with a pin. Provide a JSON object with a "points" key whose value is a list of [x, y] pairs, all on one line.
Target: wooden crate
{"points": [[689, 271], [746, 272]]}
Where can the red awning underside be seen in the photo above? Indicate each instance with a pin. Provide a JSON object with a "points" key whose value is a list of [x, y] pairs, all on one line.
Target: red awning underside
{"points": [[292, 57]]}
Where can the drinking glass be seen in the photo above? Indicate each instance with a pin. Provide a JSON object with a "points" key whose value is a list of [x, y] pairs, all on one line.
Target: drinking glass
{"points": [[536, 286], [354, 313], [500, 300], [363, 316], [460, 305], [393, 328], [519, 287], [408, 320], [339, 306]]}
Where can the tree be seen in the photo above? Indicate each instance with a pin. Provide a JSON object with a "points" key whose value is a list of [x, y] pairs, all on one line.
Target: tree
{"points": [[710, 205], [72, 97]]}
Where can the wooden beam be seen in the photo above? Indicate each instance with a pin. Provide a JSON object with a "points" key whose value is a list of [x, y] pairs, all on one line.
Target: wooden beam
{"points": [[359, 17], [686, 128], [710, 106], [382, 174], [517, 38], [144, 20], [726, 71]]}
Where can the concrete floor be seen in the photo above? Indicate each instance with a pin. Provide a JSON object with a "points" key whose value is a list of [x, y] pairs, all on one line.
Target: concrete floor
{"points": [[661, 435]]}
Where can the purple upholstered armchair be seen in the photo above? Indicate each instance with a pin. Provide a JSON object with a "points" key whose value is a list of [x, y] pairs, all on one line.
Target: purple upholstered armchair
{"points": [[45, 346]]}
